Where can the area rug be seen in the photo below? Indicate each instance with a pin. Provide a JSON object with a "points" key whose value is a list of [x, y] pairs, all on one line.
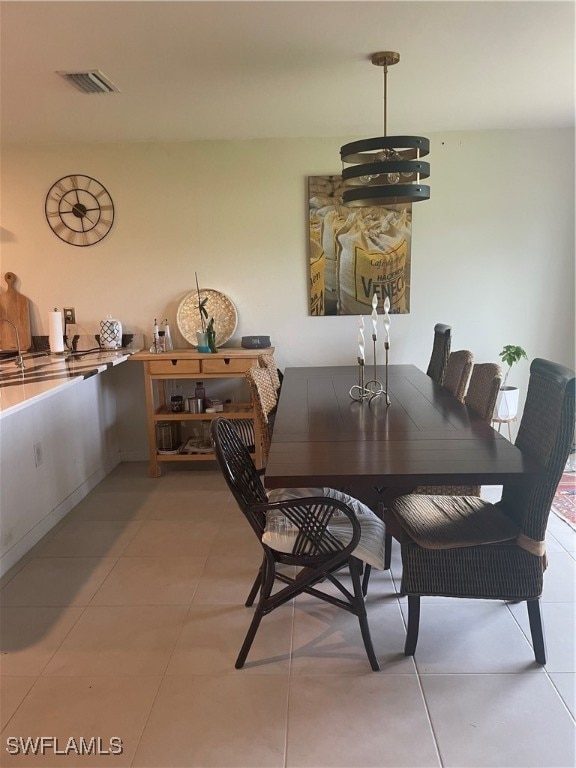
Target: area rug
{"points": [[564, 504]]}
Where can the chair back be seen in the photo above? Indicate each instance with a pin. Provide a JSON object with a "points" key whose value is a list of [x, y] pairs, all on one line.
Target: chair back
{"points": [[311, 516], [239, 470], [265, 400], [483, 389], [440, 352], [457, 373], [546, 433], [267, 361]]}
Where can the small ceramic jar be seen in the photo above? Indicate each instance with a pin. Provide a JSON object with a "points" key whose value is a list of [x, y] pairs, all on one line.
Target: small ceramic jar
{"points": [[110, 333]]}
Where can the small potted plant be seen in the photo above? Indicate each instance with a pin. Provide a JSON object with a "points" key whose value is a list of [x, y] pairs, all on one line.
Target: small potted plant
{"points": [[211, 336], [507, 402]]}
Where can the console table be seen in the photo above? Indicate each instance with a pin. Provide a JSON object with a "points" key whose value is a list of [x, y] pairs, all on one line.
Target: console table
{"points": [[161, 370]]}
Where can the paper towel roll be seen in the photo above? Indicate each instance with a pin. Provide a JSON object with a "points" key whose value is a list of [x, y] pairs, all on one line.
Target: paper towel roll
{"points": [[55, 332]]}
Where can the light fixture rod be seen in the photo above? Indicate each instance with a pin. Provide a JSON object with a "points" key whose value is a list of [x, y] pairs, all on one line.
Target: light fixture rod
{"points": [[385, 98], [385, 59]]}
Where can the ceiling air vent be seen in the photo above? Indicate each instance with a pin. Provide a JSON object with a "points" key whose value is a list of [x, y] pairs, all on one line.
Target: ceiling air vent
{"points": [[90, 82]]}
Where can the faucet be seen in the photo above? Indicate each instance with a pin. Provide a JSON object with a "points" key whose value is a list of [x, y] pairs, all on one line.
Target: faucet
{"points": [[19, 359]]}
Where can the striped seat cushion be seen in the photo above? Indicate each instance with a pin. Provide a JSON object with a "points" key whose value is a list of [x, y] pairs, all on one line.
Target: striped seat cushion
{"points": [[370, 548], [446, 522]]}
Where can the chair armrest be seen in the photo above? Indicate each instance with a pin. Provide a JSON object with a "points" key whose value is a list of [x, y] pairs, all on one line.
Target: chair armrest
{"points": [[311, 517]]}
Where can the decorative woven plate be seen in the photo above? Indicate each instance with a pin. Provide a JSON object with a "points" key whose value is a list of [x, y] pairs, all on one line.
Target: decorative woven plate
{"points": [[218, 306]]}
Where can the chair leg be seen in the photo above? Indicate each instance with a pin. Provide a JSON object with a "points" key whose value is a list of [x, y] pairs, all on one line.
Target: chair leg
{"points": [[387, 550], [366, 579], [413, 624], [266, 576], [361, 613], [249, 639], [537, 631], [255, 587]]}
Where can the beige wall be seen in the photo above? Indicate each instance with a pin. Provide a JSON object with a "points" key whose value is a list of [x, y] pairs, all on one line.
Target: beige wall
{"points": [[492, 251]]}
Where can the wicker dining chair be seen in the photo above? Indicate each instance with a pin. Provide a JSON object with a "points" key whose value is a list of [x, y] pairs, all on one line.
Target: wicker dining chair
{"points": [[266, 360], [483, 389], [265, 399], [440, 352], [481, 397], [469, 548], [320, 537], [457, 373]]}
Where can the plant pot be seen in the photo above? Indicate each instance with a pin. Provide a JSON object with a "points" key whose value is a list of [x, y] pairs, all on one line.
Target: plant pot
{"points": [[506, 406]]}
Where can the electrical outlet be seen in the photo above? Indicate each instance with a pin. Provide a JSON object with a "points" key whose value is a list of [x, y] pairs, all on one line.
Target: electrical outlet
{"points": [[38, 457], [69, 315]]}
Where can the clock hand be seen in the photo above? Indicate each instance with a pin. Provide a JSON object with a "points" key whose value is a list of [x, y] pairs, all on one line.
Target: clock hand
{"points": [[89, 219]]}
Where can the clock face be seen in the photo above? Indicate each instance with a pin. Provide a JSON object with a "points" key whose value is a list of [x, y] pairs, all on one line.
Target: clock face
{"points": [[79, 210]]}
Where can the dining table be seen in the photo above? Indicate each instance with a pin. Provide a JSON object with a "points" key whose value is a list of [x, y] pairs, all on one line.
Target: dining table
{"points": [[378, 448]]}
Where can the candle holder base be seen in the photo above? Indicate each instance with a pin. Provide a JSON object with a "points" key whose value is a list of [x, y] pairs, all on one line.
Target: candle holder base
{"points": [[372, 389], [358, 391], [376, 390]]}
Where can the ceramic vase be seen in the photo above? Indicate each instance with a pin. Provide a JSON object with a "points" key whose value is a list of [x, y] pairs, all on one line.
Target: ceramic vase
{"points": [[110, 333]]}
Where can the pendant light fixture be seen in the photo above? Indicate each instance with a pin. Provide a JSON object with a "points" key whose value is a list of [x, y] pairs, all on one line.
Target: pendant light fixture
{"points": [[386, 170]]}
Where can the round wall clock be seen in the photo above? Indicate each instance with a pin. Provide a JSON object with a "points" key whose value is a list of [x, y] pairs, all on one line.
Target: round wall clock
{"points": [[79, 210]]}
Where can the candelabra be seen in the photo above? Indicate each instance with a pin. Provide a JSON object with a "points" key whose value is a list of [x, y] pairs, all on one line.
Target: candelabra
{"points": [[373, 388]]}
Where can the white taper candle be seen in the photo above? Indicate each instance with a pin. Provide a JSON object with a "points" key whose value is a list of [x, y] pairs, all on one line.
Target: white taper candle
{"points": [[375, 316], [361, 337], [386, 321]]}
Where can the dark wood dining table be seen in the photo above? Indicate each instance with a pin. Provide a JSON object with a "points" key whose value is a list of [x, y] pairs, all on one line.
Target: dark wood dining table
{"points": [[425, 436]]}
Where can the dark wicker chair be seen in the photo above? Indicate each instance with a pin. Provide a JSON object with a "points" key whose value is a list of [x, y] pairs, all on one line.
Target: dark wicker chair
{"points": [[440, 352], [469, 548], [483, 389], [316, 550], [457, 373], [481, 397]]}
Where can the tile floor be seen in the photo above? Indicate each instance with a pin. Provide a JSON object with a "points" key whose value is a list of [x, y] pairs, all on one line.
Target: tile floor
{"points": [[126, 619]]}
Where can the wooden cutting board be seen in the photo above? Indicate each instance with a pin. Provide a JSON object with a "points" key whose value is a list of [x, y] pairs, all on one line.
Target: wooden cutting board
{"points": [[16, 308]]}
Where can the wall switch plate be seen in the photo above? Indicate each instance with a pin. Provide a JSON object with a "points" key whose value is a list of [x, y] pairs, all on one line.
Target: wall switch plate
{"points": [[69, 315]]}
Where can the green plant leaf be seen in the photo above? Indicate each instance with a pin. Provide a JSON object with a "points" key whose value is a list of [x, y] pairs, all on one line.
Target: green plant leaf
{"points": [[512, 353]]}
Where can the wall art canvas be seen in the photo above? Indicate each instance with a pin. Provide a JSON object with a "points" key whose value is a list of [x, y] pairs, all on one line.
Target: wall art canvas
{"points": [[356, 252]]}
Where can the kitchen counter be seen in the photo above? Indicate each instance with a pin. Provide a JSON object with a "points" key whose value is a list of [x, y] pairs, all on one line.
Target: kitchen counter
{"points": [[59, 437], [44, 374]]}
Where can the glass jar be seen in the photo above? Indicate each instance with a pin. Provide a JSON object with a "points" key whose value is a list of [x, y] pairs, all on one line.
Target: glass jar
{"points": [[176, 403], [165, 436], [200, 393]]}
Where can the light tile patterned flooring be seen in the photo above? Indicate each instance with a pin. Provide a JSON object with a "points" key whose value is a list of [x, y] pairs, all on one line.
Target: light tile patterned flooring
{"points": [[126, 620]]}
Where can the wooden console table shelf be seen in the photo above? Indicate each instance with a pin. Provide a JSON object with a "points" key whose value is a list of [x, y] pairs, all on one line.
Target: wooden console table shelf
{"points": [[183, 364]]}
